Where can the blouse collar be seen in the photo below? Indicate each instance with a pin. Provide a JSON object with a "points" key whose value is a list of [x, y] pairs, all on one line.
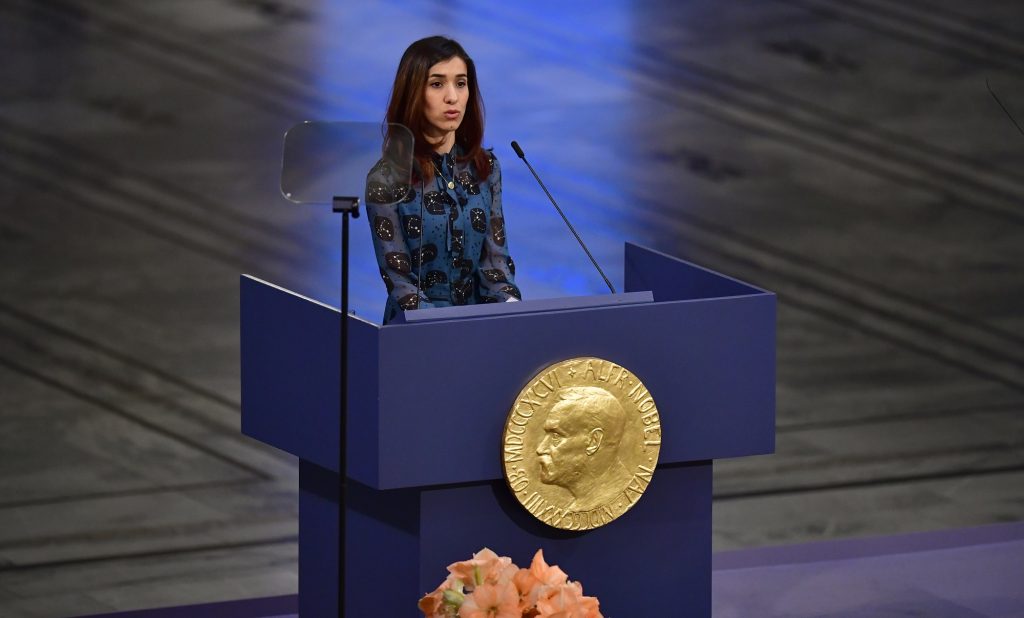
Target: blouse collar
{"points": [[446, 159]]}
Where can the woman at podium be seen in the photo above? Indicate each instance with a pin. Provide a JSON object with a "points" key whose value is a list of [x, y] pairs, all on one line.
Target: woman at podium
{"points": [[440, 239]]}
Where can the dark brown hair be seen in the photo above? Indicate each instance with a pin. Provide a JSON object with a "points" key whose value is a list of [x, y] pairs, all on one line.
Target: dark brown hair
{"points": [[406, 103]]}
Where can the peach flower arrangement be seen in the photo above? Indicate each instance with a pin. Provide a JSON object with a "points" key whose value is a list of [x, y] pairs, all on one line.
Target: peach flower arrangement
{"points": [[490, 586]]}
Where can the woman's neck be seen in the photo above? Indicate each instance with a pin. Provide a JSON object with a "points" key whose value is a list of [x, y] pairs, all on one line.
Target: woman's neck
{"points": [[444, 144]]}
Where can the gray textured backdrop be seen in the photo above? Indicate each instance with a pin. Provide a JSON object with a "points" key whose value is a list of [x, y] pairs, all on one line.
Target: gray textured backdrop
{"points": [[844, 154]]}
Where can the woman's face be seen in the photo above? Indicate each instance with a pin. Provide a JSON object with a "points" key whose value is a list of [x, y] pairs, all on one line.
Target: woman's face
{"points": [[447, 92]]}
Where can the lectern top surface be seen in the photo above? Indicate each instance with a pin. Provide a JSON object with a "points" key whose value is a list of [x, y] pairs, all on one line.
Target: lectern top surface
{"points": [[526, 306]]}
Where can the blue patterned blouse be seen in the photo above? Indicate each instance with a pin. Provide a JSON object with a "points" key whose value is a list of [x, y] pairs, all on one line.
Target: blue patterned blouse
{"points": [[461, 239]]}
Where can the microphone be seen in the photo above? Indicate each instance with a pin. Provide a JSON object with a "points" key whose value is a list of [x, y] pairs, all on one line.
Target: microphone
{"points": [[519, 151]]}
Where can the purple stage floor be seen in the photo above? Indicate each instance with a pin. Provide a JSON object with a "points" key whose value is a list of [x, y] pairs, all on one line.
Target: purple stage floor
{"points": [[964, 573], [970, 572]]}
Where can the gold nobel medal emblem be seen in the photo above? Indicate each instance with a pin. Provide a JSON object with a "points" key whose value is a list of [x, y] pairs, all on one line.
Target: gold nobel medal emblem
{"points": [[581, 443]]}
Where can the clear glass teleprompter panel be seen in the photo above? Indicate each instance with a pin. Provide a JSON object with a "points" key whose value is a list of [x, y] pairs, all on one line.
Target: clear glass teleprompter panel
{"points": [[324, 160]]}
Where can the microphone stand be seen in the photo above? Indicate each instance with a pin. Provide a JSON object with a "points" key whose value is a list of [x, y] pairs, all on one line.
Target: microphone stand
{"points": [[347, 206], [519, 153]]}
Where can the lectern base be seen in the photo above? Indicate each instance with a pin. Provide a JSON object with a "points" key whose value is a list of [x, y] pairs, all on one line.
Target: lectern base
{"points": [[652, 561]]}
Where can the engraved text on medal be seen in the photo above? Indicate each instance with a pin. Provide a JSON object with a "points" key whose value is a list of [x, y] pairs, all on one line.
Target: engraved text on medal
{"points": [[581, 443]]}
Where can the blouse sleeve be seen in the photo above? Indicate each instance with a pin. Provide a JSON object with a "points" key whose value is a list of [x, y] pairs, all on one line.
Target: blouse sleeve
{"points": [[389, 241], [496, 266]]}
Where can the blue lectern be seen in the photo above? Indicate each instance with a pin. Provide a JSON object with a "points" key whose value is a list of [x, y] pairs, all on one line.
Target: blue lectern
{"points": [[426, 418]]}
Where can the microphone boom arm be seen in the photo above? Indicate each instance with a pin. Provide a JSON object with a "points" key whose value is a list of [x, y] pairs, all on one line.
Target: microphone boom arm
{"points": [[519, 152]]}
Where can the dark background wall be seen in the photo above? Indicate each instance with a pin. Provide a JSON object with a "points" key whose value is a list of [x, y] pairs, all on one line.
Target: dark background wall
{"points": [[845, 155]]}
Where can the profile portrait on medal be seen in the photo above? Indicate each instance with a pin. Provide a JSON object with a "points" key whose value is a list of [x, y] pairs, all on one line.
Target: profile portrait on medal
{"points": [[439, 230], [580, 447]]}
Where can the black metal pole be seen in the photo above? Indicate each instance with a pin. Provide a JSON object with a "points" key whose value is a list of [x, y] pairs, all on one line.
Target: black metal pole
{"points": [[345, 206]]}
